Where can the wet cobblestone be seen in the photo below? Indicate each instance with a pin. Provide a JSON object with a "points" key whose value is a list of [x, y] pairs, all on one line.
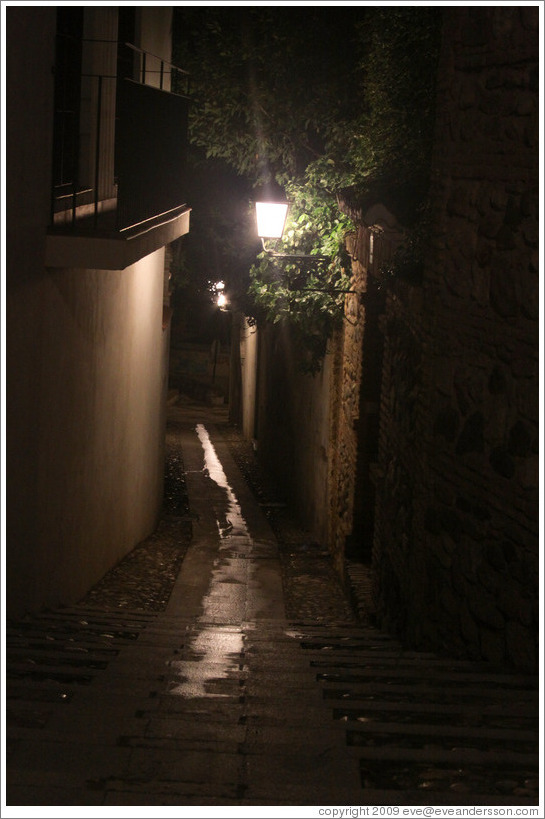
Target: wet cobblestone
{"points": [[175, 500], [159, 704], [312, 590], [143, 580]]}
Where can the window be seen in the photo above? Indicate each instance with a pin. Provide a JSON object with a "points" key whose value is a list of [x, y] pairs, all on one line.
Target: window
{"points": [[67, 97]]}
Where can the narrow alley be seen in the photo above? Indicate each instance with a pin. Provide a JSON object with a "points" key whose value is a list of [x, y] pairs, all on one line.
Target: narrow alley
{"points": [[252, 680]]}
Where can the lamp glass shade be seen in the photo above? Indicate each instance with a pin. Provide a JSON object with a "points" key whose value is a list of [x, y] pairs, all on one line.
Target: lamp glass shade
{"points": [[271, 218]]}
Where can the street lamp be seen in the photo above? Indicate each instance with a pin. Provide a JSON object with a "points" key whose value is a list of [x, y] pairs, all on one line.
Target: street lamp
{"points": [[271, 220]]}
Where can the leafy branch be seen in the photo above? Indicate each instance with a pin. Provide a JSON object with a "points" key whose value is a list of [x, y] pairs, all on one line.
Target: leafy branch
{"points": [[325, 100], [306, 293]]}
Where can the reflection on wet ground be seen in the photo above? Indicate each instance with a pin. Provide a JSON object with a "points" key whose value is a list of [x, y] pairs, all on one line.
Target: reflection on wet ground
{"points": [[212, 656], [231, 522], [220, 699], [215, 654]]}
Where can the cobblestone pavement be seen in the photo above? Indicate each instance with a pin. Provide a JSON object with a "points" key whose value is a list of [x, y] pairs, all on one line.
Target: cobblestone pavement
{"points": [[312, 589], [143, 580], [132, 699]]}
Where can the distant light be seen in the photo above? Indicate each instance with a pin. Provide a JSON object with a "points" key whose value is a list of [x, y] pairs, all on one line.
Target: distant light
{"points": [[219, 296], [270, 218]]}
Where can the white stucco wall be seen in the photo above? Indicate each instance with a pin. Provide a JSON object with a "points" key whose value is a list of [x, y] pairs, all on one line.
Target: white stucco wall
{"points": [[248, 362], [293, 427], [98, 428], [28, 145], [156, 38], [85, 370]]}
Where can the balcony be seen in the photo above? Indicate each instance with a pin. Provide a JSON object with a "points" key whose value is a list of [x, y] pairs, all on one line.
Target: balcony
{"points": [[120, 147]]}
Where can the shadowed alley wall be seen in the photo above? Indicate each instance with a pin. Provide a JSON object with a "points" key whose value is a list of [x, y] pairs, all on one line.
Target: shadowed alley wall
{"points": [[456, 540], [417, 446], [293, 426]]}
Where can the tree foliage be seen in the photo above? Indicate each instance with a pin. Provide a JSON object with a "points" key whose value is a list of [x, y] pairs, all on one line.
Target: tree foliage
{"points": [[308, 292], [221, 245], [265, 79], [387, 140], [322, 99]]}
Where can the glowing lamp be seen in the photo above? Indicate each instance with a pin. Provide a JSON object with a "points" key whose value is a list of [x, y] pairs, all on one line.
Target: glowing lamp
{"points": [[270, 218]]}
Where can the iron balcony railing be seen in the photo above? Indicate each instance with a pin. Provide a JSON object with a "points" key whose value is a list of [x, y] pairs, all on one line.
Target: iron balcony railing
{"points": [[120, 136]]}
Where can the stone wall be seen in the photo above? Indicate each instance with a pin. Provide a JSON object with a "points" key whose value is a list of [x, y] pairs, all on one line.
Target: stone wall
{"points": [[344, 414], [354, 410], [456, 536]]}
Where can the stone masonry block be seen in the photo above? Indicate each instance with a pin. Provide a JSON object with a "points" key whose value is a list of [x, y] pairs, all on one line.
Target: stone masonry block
{"points": [[521, 646], [483, 606], [492, 645]]}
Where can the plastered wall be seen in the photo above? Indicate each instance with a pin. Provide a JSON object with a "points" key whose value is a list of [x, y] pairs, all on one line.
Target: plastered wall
{"points": [[85, 375]]}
